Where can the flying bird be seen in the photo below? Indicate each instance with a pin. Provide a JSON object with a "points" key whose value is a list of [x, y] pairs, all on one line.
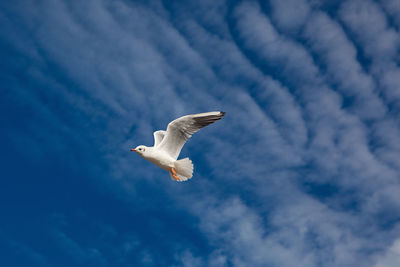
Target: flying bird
{"points": [[168, 144]]}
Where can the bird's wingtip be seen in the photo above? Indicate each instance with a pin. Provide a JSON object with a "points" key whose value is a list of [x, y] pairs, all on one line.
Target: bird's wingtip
{"points": [[222, 113]]}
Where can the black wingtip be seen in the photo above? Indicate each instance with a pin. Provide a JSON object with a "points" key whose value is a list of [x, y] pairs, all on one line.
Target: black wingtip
{"points": [[222, 113]]}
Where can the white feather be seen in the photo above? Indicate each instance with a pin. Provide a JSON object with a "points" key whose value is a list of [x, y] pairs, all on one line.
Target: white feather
{"points": [[181, 129], [158, 137]]}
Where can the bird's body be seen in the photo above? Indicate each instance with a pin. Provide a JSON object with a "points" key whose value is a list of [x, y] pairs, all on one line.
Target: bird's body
{"points": [[162, 160], [168, 144]]}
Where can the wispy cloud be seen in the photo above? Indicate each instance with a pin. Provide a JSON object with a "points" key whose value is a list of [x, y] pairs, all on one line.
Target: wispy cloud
{"points": [[391, 256]]}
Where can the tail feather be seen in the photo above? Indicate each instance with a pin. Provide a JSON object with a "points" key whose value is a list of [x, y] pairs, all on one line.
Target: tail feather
{"points": [[184, 169]]}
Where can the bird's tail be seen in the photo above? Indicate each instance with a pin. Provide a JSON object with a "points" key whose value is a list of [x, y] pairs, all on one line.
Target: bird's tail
{"points": [[184, 169]]}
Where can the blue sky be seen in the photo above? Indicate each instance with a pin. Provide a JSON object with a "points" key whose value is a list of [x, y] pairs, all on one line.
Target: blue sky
{"points": [[302, 171]]}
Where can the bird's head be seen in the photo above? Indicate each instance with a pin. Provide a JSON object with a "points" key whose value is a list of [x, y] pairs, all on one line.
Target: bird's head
{"points": [[141, 150]]}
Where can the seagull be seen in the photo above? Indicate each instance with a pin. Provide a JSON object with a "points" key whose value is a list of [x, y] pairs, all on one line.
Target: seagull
{"points": [[168, 144]]}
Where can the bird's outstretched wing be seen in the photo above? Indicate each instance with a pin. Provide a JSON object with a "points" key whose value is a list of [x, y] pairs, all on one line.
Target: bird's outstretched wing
{"points": [[181, 129], [158, 137]]}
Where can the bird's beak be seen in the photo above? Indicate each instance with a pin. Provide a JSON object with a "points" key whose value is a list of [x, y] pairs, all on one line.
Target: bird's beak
{"points": [[133, 149]]}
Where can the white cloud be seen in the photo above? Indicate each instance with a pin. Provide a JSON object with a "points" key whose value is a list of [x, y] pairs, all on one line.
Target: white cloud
{"points": [[379, 41], [238, 231], [368, 22], [290, 15], [392, 7], [258, 34], [187, 259], [328, 40], [391, 258]]}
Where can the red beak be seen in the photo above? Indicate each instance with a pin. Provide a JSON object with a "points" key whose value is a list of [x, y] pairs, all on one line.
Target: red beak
{"points": [[133, 149]]}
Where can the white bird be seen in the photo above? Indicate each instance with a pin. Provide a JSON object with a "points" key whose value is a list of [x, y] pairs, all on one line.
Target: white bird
{"points": [[168, 144]]}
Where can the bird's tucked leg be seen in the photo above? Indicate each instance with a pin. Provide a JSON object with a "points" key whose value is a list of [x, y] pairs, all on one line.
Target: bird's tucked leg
{"points": [[174, 174]]}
